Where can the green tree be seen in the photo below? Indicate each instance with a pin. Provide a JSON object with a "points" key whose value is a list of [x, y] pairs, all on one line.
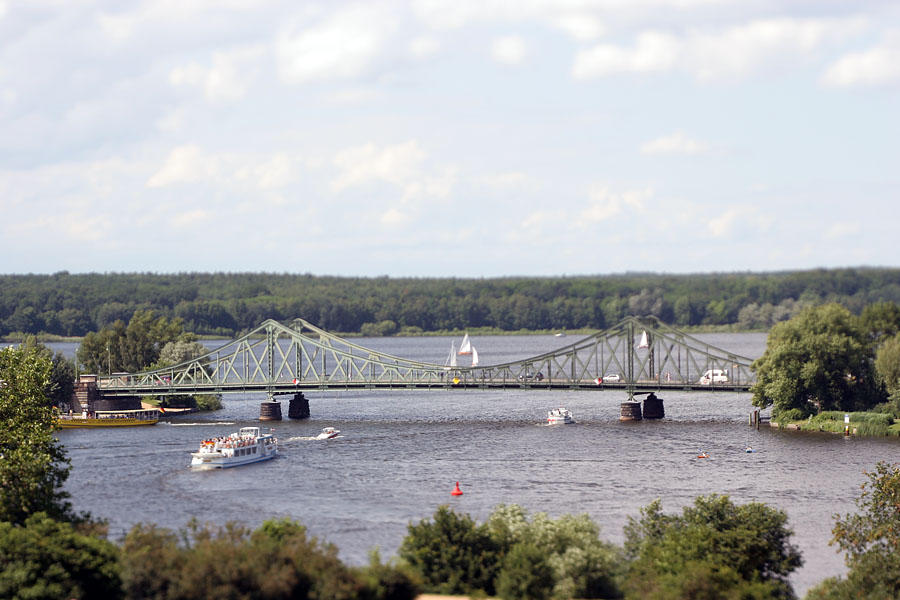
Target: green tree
{"points": [[714, 549], [819, 360], [583, 565], [131, 348], [44, 558], [887, 364], [33, 464], [881, 320], [452, 554], [62, 372], [870, 538]]}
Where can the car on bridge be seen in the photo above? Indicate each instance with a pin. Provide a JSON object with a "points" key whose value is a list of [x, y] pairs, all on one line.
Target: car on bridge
{"points": [[714, 376], [531, 375], [612, 378]]}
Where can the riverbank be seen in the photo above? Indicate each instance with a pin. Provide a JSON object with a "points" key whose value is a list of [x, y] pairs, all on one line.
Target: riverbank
{"points": [[863, 424]]}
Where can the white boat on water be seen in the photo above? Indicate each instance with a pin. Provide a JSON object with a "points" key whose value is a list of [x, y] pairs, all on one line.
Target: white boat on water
{"points": [[242, 448], [559, 416], [328, 433]]}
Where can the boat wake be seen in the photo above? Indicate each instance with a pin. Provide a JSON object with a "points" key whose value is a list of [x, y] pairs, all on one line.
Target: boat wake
{"points": [[196, 424], [303, 438]]}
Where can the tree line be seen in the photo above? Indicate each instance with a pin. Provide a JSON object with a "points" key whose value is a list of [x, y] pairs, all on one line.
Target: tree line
{"points": [[227, 304]]}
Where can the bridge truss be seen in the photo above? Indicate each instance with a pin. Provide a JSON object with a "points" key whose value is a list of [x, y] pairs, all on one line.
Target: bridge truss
{"points": [[280, 359]]}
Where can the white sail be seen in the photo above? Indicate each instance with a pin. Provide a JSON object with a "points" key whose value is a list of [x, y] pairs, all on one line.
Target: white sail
{"points": [[451, 359], [474, 356], [644, 342], [466, 346]]}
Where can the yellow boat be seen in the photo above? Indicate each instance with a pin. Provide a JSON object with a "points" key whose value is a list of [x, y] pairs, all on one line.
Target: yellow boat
{"points": [[110, 418]]}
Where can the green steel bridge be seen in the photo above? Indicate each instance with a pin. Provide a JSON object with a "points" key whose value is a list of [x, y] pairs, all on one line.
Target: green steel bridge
{"points": [[278, 359]]}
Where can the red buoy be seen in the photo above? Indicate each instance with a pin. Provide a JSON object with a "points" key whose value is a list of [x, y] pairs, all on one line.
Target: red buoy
{"points": [[456, 491]]}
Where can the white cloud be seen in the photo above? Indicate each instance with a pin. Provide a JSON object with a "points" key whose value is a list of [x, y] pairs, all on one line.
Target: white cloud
{"points": [[509, 50], [398, 164], [225, 79], [185, 164], [343, 46], [605, 204], [843, 230], [582, 27], [874, 67], [733, 52], [722, 225], [676, 143]]}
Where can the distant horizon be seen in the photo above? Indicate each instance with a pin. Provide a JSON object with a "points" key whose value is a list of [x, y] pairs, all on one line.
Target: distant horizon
{"points": [[383, 276]]}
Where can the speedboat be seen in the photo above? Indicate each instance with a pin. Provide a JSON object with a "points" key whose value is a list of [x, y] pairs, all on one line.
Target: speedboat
{"points": [[242, 448], [559, 416], [328, 433]]}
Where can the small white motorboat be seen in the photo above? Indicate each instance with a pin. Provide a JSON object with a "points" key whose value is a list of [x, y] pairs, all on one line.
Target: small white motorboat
{"points": [[559, 416], [242, 448], [328, 433]]}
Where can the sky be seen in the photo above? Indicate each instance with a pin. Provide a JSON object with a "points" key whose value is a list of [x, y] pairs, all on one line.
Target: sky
{"points": [[448, 138]]}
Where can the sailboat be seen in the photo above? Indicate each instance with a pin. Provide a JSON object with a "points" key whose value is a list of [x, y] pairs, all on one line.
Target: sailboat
{"points": [[466, 346], [474, 356], [451, 359], [644, 342]]}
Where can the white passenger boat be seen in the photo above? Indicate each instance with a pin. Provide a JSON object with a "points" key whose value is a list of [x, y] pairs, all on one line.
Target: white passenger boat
{"points": [[328, 433], [559, 416], [242, 448]]}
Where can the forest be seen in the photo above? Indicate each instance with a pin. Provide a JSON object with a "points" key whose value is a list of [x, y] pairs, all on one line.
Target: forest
{"points": [[226, 304]]}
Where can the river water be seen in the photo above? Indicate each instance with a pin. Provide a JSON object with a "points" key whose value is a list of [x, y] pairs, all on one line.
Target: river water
{"points": [[400, 453]]}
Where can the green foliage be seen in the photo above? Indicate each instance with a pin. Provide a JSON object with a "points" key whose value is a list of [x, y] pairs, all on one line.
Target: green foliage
{"points": [[583, 565], [855, 417], [62, 372], [383, 328], [451, 554], [525, 574], [870, 539], [714, 549], [881, 320], [783, 417], [33, 464], [277, 561], [820, 360], [454, 555], [131, 348], [44, 558], [887, 364], [387, 581]]}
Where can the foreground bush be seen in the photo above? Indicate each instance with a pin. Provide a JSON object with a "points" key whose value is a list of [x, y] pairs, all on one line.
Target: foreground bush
{"points": [[277, 561], [45, 558], [513, 556], [714, 549]]}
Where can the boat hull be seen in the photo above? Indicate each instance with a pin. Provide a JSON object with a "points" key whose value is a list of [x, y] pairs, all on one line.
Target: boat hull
{"points": [[200, 461], [79, 422]]}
